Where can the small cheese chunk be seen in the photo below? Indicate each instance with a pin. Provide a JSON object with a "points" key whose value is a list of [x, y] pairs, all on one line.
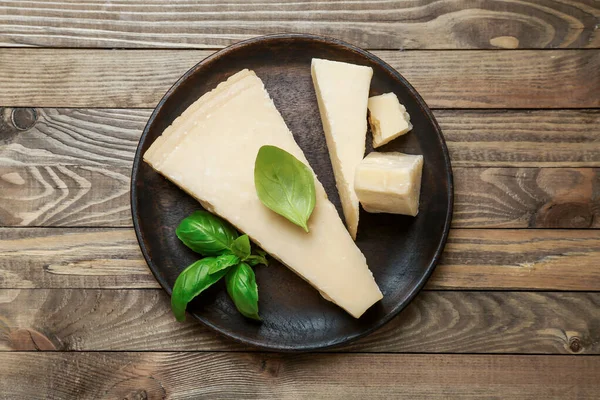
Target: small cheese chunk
{"points": [[209, 152], [389, 183], [342, 93], [388, 118]]}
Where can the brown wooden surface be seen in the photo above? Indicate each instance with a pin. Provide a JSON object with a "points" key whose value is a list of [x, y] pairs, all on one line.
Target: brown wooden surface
{"points": [[418, 24], [436, 322], [73, 195], [273, 376], [523, 131], [475, 138], [139, 78], [474, 259]]}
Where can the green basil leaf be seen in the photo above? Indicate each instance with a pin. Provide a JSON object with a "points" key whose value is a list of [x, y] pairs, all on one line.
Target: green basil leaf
{"points": [[259, 258], [206, 233], [261, 252], [241, 247], [222, 262], [285, 185], [242, 288], [191, 282]]}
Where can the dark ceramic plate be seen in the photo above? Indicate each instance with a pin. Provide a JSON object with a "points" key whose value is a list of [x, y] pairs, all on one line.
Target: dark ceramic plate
{"points": [[401, 251]]}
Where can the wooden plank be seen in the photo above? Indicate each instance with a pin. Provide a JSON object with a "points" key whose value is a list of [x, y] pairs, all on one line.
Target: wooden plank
{"points": [[519, 259], [72, 195], [379, 24], [435, 322], [75, 258], [510, 138], [527, 198], [303, 376], [54, 136], [64, 195], [446, 79], [473, 259]]}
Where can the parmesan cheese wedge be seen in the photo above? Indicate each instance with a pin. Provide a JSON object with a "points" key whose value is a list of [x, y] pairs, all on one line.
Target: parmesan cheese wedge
{"points": [[209, 152], [390, 183], [342, 93], [388, 118]]}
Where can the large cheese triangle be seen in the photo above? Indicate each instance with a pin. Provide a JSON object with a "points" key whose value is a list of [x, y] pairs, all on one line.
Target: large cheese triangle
{"points": [[209, 151], [343, 94]]}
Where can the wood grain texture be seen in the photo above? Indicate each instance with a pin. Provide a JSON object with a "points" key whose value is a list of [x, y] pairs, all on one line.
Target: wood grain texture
{"points": [[378, 24], [445, 79], [484, 138], [64, 195], [473, 259], [534, 138], [435, 322], [77, 258], [90, 196], [527, 198], [519, 259], [274, 376], [63, 137], [309, 376], [70, 167]]}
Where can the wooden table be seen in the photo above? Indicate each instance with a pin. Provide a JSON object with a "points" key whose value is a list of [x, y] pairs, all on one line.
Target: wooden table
{"points": [[513, 310]]}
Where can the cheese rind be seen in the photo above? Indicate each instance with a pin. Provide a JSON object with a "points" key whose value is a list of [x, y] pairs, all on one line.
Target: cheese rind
{"points": [[342, 94], [388, 118], [190, 117], [389, 183], [212, 159]]}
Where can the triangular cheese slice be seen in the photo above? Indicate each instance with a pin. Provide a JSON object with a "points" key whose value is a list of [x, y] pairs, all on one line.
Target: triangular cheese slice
{"points": [[343, 94], [210, 151]]}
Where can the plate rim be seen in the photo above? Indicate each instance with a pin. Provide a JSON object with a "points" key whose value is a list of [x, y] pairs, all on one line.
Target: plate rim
{"points": [[422, 105]]}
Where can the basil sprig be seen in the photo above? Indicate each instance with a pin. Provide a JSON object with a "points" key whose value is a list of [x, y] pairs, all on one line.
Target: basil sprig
{"points": [[285, 185], [231, 256]]}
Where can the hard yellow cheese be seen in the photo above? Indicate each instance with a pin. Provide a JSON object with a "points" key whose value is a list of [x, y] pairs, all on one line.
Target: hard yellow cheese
{"points": [[342, 93], [389, 183], [210, 151], [388, 118]]}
